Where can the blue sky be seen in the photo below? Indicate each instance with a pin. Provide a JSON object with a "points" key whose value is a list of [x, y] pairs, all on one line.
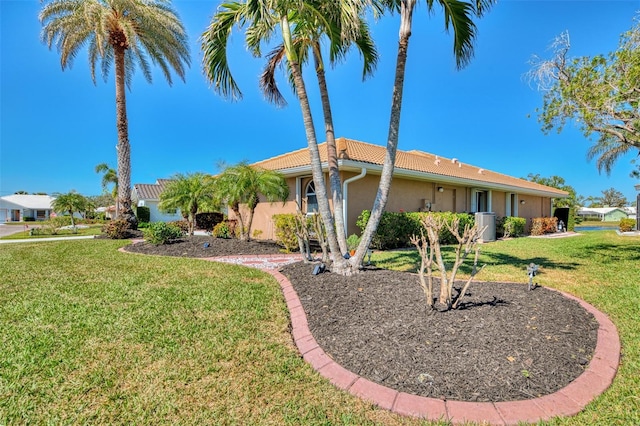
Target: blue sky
{"points": [[56, 126]]}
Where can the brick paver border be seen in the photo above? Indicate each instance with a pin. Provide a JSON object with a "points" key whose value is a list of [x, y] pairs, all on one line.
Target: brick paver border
{"points": [[568, 401]]}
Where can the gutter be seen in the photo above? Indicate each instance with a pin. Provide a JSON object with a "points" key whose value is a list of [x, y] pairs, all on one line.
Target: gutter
{"points": [[345, 195]]}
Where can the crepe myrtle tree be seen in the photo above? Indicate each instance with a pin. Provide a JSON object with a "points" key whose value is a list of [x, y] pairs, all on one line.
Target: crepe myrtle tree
{"points": [[123, 33], [430, 251], [600, 94]]}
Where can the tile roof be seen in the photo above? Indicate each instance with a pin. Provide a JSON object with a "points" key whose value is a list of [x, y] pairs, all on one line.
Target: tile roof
{"points": [[414, 163], [150, 191]]}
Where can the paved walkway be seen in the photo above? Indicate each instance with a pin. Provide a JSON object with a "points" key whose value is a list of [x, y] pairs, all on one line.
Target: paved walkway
{"points": [[566, 402]]}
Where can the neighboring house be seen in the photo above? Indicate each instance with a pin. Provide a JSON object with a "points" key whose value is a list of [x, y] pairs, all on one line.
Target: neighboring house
{"points": [[21, 207], [109, 212], [631, 211], [603, 214], [422, 182], [148, 195]]}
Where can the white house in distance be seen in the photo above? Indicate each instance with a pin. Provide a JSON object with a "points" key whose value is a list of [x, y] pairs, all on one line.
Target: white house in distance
{"points": [[148, 195], [21, 207], [603, 214]]}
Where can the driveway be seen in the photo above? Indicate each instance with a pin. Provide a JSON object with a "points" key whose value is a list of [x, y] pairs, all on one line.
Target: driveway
{"points": [[11, 229]]}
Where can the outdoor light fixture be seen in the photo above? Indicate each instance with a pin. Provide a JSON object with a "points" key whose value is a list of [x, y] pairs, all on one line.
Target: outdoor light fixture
{"points": [[522, 202], [440, 189]]}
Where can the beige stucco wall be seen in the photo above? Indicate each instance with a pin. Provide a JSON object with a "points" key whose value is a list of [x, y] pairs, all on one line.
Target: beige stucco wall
{"points": [[405, 195]]}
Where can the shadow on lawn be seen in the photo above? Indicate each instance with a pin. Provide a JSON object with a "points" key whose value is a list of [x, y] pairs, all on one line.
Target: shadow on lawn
{"points": [[411, 259]]}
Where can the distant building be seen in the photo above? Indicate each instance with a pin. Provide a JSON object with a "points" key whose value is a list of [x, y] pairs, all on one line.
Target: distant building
{"points": [[603, 214], [148, 195], [24, 207]]}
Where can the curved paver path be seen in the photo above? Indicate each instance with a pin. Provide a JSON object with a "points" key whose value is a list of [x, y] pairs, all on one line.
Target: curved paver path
{"points": [[568, 401]]}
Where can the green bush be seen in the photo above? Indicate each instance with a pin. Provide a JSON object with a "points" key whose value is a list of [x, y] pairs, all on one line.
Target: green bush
{"points": [[396, 229], [161, 233], [28, 219], [143, 225], [222, 230], [116, 229], [627, 225], [353, 241], [286, 231], [208, 221], [143, 213], [510, 226]]}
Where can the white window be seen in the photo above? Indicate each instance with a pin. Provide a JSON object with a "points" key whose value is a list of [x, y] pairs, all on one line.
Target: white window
{"points": [[312, 200]]}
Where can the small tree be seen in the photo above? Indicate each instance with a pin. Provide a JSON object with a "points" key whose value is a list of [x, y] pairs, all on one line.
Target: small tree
{"points": [[243, 184], [430, 249], [71, 203], [191, 193]]}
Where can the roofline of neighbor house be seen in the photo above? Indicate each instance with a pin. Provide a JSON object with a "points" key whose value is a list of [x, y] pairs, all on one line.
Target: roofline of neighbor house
{"points": [[356, 166]]}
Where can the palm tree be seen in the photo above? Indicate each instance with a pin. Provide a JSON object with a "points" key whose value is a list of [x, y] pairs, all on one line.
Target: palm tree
{"points": [[263, 18], [191, 193], [125, 33], [109, 176], [243, 184], [458, 14], [307, 36], [70, 203]]}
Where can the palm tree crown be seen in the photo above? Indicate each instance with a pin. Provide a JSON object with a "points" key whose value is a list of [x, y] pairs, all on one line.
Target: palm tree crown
{"points": [[142, 29], [191, 193]]}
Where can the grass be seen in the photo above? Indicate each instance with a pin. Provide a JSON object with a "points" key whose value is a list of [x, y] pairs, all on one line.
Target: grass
{"points": [[91, 230], [92, 335]]}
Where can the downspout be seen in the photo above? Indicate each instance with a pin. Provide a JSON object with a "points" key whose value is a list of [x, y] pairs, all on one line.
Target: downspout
{"points": [[345, 195]]}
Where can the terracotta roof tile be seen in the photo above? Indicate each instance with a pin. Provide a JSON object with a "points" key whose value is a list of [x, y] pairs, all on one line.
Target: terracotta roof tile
{"points": [[412, 161]]}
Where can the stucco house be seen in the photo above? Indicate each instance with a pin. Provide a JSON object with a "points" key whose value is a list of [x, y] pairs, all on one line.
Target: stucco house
{"points": [[421, 182], [148, 195], [20, 207], [603, 214]]}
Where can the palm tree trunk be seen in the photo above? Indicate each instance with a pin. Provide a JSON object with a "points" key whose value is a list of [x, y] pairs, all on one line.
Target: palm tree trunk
{"points": [[312, 142], [124, 148], [332, 154], [382, 196]]}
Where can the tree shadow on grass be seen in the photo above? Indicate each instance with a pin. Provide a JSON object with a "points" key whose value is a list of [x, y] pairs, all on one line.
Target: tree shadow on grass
{"points": [[411, 260]]}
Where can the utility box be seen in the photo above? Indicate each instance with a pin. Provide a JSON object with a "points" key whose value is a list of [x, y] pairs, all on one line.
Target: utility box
{"points": [[488, 220]]}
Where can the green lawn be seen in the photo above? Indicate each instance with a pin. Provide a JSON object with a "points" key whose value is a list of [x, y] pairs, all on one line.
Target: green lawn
{"points": [[45, 232], [92, 335]]}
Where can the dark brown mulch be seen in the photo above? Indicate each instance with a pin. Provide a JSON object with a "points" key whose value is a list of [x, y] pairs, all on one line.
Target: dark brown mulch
{"points": [[505, 343], [194, 246]]}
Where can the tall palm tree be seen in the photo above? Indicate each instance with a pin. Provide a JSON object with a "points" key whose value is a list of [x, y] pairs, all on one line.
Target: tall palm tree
{"points": [[191, 193], [458, 15], [123, 33], [109, 177], [243, 184], [71, 202], [263, 19], [307, 36]]}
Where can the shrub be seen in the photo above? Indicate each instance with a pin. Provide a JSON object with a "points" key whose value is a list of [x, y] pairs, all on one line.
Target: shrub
{"points": [[143, 213], [116, 229], [182, 225], [222, 230], [353, 241], [286, 231], [446, 237], [143, 225], [544, 225], [29, 219], [510, 226], [161, 233], [627, 225], [394, 229], [208, 221]]}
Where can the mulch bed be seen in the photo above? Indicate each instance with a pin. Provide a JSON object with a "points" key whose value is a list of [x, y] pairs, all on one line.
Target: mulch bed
{"points": [[504, 343]]}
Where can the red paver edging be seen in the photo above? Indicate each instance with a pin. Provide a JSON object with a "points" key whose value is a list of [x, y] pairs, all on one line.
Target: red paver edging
{"points": [[568, 401]]}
